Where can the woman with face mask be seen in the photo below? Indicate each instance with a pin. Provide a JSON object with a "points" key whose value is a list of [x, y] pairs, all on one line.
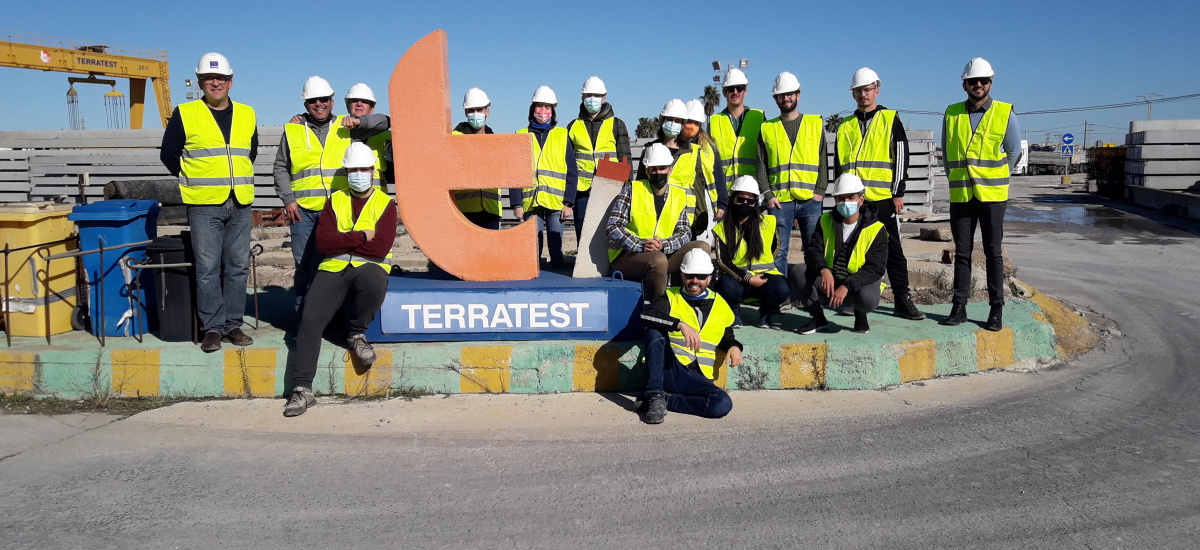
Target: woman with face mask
{"points": [[481, 206], [746, 246], [683, 151], [710, 176], [552, 191]]}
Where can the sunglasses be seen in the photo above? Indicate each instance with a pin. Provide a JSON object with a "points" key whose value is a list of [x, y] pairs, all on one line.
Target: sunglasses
{"points": [[690, 276], [316, 100], [744, 200], [736, 89], [978, 81], [220, 77]]}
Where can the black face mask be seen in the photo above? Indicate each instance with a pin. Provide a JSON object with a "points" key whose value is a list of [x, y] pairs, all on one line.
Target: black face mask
{"points": [[658, 181], [740, 211]]}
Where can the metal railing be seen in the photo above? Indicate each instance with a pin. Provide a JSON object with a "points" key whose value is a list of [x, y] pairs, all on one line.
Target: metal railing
{"points": [[8, 301]]}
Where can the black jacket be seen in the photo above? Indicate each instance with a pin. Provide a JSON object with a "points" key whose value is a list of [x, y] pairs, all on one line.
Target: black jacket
{"points": [[657, 316], [620, 133], [871, 271]]}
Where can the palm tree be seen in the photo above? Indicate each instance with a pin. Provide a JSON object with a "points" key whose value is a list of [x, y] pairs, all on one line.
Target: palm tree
{"points": [[711, 98], [832, 123], [647, 127]]}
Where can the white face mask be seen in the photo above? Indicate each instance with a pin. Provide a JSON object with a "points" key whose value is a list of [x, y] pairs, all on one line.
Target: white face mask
{"points": [[672, 129], [592, 104], [359, 181], [476, 120]]}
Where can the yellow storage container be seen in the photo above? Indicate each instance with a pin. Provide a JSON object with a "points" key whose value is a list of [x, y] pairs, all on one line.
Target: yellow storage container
{"points": [[29, 282]]}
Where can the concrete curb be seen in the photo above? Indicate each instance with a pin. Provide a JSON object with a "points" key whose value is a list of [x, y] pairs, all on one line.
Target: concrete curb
{"points": [[895, 352]]}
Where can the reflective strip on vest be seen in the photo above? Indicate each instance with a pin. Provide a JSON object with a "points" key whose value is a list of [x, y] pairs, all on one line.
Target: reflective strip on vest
{"points": [[711, 334], [316, 166], [470, 201], [209, 167], [644, 222], [683, 177], [368, 218], [765, 262], [869, 158], [550, 171], [792, 167], [976, 165], [586, 154], [858, 257], [739, 152]]}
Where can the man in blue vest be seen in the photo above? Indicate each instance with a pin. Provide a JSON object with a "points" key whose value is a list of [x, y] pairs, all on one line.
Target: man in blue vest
{"points": [[686, 329], [210, 144]]}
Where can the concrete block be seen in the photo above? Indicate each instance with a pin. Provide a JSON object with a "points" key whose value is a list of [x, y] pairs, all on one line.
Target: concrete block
{"points": [[1153, 152], [915, 135], [1163, 167], [1178, 202], [1136, 126], [1182, 137], [1163, 182]]}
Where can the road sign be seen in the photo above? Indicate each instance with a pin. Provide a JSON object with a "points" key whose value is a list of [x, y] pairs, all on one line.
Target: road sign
{"points": [[1068, 150], [1068, 139]]}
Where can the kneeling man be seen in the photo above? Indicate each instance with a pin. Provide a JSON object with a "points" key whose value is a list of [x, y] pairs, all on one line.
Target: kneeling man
{"points": [[685, 329], [355, 232]]}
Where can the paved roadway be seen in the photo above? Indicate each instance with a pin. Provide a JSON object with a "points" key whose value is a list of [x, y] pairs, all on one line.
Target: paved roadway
{"points": [[1099, 453]]}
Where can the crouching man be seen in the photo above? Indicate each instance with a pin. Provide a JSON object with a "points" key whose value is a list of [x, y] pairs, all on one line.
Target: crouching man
{"points": [[685, 329], [355, 232], [845, 261]]}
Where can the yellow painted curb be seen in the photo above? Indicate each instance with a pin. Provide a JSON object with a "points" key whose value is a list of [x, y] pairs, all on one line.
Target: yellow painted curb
{"points": [[135, 372], [485, 369], [994, 350], [1072, 333], [917, 358], [16, 371], [250, 372], [802, 365], [359, 381]]}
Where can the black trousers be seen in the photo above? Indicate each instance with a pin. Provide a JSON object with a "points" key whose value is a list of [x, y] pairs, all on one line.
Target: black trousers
{"points": [[989, 216], [366, 283], [897, 264]]}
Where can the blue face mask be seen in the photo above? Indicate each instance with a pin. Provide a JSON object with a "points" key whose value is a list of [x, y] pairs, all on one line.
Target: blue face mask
{"points": [[476, 120], [359, 181], [847, 208], [671, 129], [592, 104]]}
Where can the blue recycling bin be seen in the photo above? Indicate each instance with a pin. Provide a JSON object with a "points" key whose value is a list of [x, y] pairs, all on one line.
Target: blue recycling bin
{"points": [[116, 224]]}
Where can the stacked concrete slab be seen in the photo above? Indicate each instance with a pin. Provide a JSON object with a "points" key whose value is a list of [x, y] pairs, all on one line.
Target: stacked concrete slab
{"points": [[1163, 154], [918, 195]]}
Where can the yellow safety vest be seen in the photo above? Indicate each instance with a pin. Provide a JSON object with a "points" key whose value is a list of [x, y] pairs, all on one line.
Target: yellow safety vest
{"points": [[377, 204], [765, 262], [711, 334], [586, 154], [870, 159], [792, 167], [644, 222], [317, 169], [209, 167], [550, 171], [683, 176], [378, 145], [477, 200], [739, 151], [707, 158], [858, 256], [976, 164]]}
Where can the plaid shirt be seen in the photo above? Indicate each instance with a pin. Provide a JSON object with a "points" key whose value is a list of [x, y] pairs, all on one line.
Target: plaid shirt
{"points": [[619, 235]]}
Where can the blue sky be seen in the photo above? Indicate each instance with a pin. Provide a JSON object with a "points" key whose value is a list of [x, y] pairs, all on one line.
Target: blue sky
{"points": [[1046, 54]]}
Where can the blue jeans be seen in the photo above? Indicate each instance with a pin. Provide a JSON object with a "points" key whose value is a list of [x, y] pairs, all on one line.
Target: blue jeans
{"points": [[304, 252], [807, 213], [220, 243], [580, 208], [688, 391], [771, 295], [549, 221]]}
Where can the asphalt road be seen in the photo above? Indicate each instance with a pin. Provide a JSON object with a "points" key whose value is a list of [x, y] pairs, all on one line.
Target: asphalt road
{"points": [[1098, 453]]}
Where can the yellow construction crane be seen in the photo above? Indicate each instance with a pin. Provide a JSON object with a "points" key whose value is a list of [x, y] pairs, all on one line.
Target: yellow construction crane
{"points": [[44, 53]]}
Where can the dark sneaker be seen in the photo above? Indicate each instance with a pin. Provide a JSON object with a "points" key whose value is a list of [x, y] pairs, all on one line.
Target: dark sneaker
{"points": [[212, 342], [814, 326], [361, 349], [737, 317], [958, 316], [238, 338], [861, 325], [656, 408], [302, 398], [995, 319], [906, 309], [764, 320]]}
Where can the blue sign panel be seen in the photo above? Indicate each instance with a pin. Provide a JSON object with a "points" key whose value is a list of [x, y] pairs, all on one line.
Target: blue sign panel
{"points": [[1068, 139], [494, 312], [1068, 150]]}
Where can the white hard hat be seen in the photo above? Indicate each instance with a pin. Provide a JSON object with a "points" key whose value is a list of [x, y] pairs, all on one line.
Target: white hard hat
{"points": [[316, 86], [657, 154], [785, 83], [864, 77], [744, 184], [476, 99], [695, 111], [847, 184], [358, 155], [544, 95], [734, 77], [696, 262], [593, 85], [213, 63], [674, 109], [360, 91], [978, 68]]}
